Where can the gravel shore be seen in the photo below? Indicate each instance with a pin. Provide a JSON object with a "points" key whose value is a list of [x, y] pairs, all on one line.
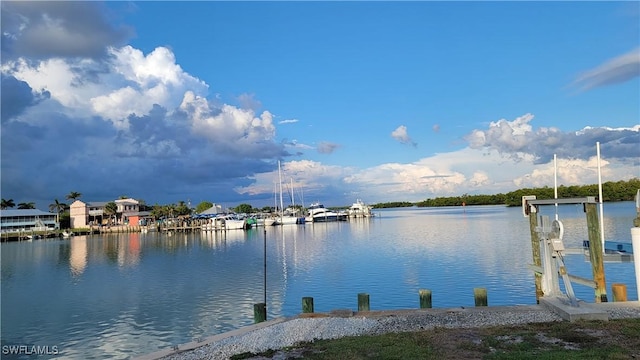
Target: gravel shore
{"points": [[330, 326]]}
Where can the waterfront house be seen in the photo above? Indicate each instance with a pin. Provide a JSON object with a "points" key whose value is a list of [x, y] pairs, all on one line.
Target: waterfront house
{"points": [[27, 220], [92, 213], [139, 218], [82, 214], [127, 208]]}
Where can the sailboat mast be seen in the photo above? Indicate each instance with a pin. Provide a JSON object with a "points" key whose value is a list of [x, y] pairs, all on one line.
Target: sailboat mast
{"points": [[275, 196], [280, 178], [293, 199]]}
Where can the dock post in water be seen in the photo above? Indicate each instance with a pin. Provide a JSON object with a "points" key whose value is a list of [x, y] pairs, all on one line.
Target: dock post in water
{"points": [[535, 246], [480, 296], [259, 312], [635, 243], [307, 304], [596, 252], [363, 302], [425, 298], [619, 292]]}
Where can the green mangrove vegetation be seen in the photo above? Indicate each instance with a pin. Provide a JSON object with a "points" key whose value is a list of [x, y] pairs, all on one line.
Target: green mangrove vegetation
{"points": [[611, 191]]}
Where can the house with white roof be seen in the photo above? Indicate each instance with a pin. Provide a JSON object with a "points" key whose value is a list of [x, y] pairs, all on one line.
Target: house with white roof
{"points": [[212, 211], [27, 220], [84, 214]]}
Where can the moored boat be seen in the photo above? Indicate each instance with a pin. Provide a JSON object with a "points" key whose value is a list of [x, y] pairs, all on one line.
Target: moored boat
{"points": [[319, 213], [225, 222], [232, 222], [287, 220], [359, 209], [290, 217]]}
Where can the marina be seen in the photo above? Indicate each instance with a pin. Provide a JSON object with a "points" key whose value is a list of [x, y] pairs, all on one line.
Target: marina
{"points": [[122, 295]]}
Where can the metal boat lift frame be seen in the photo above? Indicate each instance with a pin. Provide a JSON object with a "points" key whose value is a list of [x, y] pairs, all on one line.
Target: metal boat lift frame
{"points": [[548, 250]]}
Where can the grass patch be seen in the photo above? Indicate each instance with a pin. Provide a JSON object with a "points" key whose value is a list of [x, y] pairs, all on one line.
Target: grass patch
{"points": [[615, 339], [388, 346], [248, 355]]}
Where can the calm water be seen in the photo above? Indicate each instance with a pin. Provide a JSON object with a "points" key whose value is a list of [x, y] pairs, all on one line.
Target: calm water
{"points": [[124, 295]]}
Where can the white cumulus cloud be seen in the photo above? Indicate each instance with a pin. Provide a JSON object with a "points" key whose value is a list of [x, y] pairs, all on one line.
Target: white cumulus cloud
{"points": [[401, 135], [231, 129], [129, 83]]}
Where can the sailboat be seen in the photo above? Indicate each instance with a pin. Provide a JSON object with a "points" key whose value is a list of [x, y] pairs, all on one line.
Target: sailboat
{"points": [[272, 220], [289, 218]]}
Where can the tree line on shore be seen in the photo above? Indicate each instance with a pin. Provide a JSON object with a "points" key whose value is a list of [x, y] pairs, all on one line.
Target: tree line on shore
{"points": [[611, 191]]}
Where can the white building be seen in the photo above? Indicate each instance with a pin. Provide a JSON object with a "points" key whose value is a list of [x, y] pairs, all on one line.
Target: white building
{"points": [[82, 213], [27, 220], [127, 207], [212, 211]]}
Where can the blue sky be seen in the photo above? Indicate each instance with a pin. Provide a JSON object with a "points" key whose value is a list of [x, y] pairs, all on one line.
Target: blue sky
{"points": [[383, 101]]}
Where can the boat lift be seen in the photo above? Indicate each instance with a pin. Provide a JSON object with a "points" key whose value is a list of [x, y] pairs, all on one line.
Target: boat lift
{"points": [[548, 250], [550, 235]]}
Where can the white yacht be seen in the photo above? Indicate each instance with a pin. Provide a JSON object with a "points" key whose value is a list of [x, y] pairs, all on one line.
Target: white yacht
{"points": [[318, 213], [225, 222], [359, 209]]}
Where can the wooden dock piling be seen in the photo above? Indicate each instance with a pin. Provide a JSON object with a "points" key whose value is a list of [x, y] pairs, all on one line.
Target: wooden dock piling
{"points": [[480, 296], [259, 312], [596, 252], [619, 292], [307, 304], [425, 298], [535, 246], [363, 302]]}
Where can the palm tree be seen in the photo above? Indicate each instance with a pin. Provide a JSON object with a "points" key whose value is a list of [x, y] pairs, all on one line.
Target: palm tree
{"points": [[110, 209], [181, 209], [57, 207], [7, 204], [29, 205], [74, 195], [170, 210]]}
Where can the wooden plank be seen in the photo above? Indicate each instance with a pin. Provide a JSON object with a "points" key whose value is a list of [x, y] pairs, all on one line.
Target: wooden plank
{"points": [[583, 200]]}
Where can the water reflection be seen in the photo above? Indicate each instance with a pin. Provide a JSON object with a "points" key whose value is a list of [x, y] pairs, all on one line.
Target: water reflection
{"points": [[78, 256], [128, 294]]}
